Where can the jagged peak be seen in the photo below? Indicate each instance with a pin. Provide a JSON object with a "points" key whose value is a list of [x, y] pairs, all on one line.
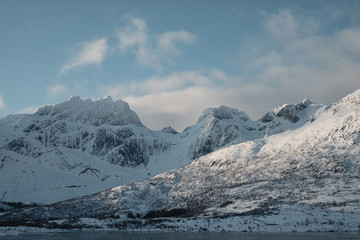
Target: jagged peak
{"points": [[287, 111], [100, 111], [305, 103], [169, 130], [107, 98], [223, 112]]}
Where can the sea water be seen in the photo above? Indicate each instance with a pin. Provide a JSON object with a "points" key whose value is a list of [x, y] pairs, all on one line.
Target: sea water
{"points": [[179, 236]]}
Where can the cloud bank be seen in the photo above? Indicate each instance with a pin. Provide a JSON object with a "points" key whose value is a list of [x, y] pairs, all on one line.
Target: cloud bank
{"points": [[298, 62]]}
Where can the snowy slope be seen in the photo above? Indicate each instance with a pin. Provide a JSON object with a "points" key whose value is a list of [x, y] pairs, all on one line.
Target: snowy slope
{"points": [[80, 147], [305, 179]]}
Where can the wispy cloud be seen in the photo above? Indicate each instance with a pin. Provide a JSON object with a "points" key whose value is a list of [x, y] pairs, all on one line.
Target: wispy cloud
{"points": [[175, 81], [56, 90], [151, 50], [133, 34], [166, 42], [285, 26], [90, 53], [2, 103]]}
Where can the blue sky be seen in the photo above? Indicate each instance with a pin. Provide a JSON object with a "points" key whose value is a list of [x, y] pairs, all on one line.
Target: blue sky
{"points": [[172, 59]]}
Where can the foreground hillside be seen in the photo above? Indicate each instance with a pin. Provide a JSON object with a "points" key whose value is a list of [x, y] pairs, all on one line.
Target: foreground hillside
{"points": [[306, 179], [80, 147]]}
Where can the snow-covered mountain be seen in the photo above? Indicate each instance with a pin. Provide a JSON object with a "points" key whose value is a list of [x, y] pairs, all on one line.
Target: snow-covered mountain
{"points": [[80, 147], [302, 179]]}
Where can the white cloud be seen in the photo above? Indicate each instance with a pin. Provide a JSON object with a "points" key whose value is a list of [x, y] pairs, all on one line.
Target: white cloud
{"points": [[151, 50], [2, 103], [286, 26], [56, 90], [166, 41], [90, 53]]}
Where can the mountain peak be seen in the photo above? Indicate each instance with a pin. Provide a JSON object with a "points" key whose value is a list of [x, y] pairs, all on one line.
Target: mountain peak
{"points": [[288, 112], [105, 99], [169, 130], [101, 111], [74, 99], [305, 103], [223, 112]]}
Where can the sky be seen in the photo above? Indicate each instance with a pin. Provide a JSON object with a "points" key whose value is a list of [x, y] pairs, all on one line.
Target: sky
{"points": [[172, 59]]}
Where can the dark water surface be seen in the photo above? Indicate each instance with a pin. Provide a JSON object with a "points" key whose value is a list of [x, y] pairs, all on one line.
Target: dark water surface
{"points": [[180, 236]]}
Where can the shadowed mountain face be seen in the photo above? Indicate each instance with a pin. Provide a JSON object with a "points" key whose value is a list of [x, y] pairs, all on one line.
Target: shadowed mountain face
{"points": [[316, 167], [80, 147]]}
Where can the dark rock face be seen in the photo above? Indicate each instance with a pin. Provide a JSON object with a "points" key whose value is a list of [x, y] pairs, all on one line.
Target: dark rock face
{"points": [[268, 117], [289, 112], [169, 130], [217, 136], [121, 147], [19, 145], [106, 140], [132, 153], [125, 148]]}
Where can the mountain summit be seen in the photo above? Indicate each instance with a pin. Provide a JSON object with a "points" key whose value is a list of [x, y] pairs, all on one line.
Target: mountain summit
{"points": [[102, 111]]}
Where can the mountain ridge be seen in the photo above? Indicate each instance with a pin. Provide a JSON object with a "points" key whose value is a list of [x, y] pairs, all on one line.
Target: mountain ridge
{"points": [[306, 178], [86, 142]]}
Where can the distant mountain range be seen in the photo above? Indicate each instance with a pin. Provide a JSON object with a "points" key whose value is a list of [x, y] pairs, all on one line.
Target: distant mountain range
{"points": [[297, 167], [80, 147]]}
